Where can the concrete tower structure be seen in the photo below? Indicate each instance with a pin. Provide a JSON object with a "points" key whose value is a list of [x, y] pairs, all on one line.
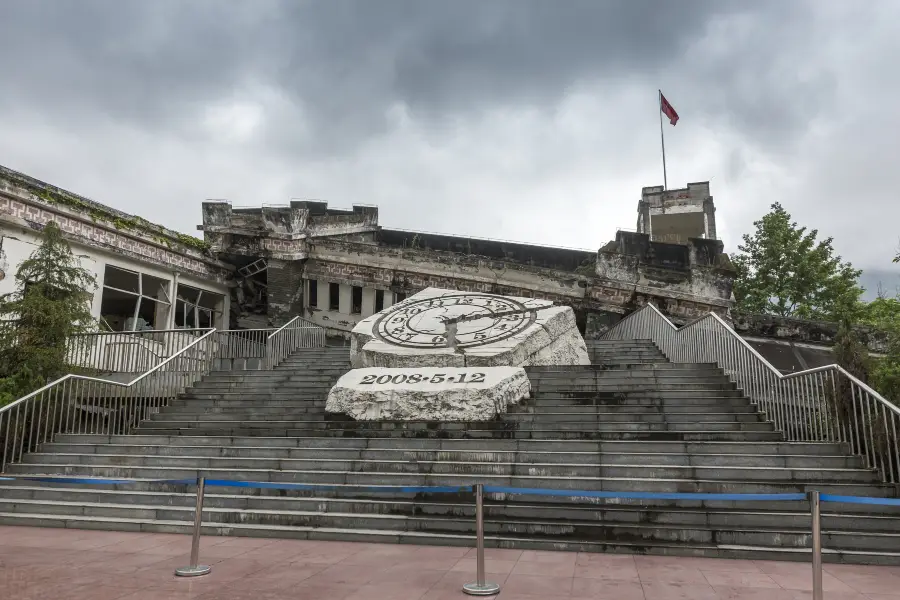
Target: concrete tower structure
{"points": [[674, 216]]}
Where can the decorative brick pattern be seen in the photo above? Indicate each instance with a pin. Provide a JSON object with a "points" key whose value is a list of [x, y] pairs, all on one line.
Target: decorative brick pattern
{"points": [[95, 234]]}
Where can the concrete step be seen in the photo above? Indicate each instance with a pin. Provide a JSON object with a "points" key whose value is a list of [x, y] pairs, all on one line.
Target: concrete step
{"points": [[369, 478], [269, 378], [446, 539], [672, 384], [589, 416], [218, 421], [244, 414], [451, 431], [658, 366], [490, 445], [644, 405], [635, 371], [247, 409], [376, 501], [656, 532], [644, 425], [270, 397], [649, 392], [237, 401], [448, 505], [436, 467], [284, 386], [462, 455], [660, 376]]}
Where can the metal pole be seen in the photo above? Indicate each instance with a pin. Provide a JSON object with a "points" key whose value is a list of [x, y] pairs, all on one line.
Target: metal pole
{"points": [[480, 587], [195, 569], [815, 506], [662, 138]]}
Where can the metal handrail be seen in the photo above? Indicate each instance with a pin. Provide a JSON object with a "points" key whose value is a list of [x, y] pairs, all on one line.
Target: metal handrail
{"points": [[296, 333], [124, 405], [296, 319], [826, 403], [105, 351]]}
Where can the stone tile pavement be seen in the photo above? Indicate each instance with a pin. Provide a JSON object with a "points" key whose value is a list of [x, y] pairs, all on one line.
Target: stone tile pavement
{"points": [[55, 564]]}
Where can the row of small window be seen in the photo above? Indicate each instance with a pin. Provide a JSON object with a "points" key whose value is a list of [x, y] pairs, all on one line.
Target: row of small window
{"points": [[356, 297]]}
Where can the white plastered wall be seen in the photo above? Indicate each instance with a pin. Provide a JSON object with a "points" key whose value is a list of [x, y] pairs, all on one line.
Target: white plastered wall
{"points": [[18, 244]]}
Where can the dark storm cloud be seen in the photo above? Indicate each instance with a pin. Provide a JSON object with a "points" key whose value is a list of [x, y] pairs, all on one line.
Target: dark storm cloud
{"points": [[495, 107], [343, 64]]}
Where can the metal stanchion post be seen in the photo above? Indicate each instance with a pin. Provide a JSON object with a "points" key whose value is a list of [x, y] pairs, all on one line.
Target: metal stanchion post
{"points": [[815, 509], [195, 569], [480, 587]]}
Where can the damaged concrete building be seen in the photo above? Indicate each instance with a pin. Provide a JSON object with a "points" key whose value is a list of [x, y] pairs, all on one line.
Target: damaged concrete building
{"points": [[336, 267], [148, 277], [258, 267]]}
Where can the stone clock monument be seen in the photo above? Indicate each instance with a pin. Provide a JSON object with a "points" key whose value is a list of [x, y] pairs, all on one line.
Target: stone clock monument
{"points": [[451, 355], [439, 327]]}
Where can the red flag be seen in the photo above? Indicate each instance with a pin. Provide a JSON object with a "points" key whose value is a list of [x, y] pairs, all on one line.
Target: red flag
{"points": [[667, 109]]}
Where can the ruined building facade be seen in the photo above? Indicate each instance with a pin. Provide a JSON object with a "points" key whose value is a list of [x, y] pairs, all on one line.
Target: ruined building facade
{"points": [[259, 267], [336, 267], [148, 277]]}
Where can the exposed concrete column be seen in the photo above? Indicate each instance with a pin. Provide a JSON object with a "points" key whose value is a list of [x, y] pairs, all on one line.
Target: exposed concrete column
{"points": [[324, 291], [368, 302], [173, 292], [346, 299], [285, 291], [709, 214]]}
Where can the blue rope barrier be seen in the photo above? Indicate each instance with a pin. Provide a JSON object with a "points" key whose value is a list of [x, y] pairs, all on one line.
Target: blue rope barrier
{"points": [[488, 489], [641, 495], [860, 500], [270, 485]]}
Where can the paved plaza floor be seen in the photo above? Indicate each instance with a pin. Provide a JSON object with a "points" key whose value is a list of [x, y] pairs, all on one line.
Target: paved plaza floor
{"points": [[57, 564]]}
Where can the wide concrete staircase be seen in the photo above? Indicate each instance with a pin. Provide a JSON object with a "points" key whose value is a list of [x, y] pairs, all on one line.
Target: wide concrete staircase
{"points": [[630, 422]]}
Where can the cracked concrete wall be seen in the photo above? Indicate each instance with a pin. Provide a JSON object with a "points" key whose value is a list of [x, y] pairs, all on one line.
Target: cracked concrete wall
{"points": [[410, 270], [677, 278]]}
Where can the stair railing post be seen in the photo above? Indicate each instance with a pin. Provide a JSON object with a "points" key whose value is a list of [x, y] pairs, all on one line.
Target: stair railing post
{"points": [[815, 510], [480, 587], [195, 569]]}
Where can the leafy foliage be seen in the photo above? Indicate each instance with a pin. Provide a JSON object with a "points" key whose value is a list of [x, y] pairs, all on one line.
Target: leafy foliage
{"points": [[783, 270], [884, 314], [49, 305]]}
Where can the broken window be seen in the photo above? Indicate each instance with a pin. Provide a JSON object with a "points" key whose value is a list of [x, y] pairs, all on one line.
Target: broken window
{"points": [[313, 293], [133, 301], [379, 300], [334, 296], [198, 309], [356, 300]]}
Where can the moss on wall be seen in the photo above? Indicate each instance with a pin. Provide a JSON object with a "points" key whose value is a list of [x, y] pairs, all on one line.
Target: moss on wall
{"points": [[96, 212]]}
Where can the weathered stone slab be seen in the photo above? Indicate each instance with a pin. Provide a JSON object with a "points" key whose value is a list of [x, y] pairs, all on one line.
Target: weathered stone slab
{"points": [[431, 393], [445, 328]]}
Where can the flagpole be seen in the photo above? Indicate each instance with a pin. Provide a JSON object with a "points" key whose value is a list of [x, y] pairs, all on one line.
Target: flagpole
{"points": [[662, 138]]}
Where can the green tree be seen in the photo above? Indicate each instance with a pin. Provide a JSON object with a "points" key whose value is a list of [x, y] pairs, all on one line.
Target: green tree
{"points": [[783, 270], [884, 314], [51, 302]]}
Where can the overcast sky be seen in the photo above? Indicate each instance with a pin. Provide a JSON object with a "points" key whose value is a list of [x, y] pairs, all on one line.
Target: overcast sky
{"points": [[527, 120]]}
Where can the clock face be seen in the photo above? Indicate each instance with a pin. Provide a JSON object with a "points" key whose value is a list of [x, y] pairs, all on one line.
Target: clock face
{"points": [[421, 323]]}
